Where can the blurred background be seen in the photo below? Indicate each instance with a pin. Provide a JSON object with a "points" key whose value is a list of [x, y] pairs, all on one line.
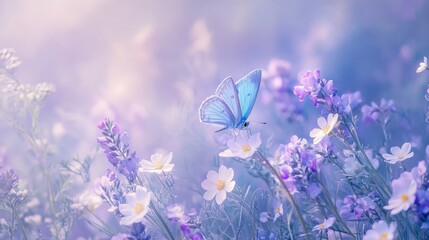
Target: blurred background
{"points": [[149, 65]]}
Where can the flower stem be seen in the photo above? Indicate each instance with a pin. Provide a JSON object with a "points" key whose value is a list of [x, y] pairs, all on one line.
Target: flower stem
{"points": [[289, 195], [162, 221], [19, 223]]}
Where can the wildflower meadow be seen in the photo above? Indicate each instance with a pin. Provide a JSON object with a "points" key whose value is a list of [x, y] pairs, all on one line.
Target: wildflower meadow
{"points": [[253, 120]]}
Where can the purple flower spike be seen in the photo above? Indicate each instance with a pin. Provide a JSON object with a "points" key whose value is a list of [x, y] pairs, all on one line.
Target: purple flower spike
{"points": [[116, 149]]}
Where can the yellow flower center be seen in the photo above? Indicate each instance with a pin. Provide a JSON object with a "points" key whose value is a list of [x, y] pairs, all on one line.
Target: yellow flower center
{"points": [[246, 148], [220, 185], [158, 165], [325, 129], [401, 157], [404, 197], [383, 236], [278, 210], [138, 208], [322, 225]]}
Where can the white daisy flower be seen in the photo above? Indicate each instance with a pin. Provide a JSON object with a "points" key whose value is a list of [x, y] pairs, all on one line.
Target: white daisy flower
{"points": [[404, 193], [325, 127], [218, 184], [381, 230], [158, 163], [398, 154], [136, 206], [242, 146], [423, 65], [325, 224]]}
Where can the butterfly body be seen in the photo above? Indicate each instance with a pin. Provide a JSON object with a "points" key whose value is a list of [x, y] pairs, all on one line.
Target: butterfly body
{"points": [[232, 103]]}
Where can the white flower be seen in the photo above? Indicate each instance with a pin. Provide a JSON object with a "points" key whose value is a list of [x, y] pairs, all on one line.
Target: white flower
{"points": [[325, 127], [88, 199], [33, 219], [242, 146], [404, 193], [177, 212], [136, 207], [351, 166], [381, 230], [263, 217], [278, 210], [325, 224], [423, 65], [158, 163], [372, 159], [398, 154], [218, 184]]}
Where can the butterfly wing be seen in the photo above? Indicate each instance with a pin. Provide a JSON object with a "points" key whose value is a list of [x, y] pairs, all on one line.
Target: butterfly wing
{"points": [[248, 88], [227, 91], [214, 110]]}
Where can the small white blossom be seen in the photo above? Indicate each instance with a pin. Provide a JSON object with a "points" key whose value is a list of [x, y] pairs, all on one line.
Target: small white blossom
{"points": [[404, 193], [242, 146], [423, 65], [325, 224], [88, 199], [158, 163], [136, 206], [325, 127], [33, 219], [278, 210], [351, 166], [398, 154], [381, 230], [218, 184], [177, 212], [263, 217]]}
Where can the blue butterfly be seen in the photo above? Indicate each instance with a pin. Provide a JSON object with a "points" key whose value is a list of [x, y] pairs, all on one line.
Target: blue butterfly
{"points": [[232, 103]]}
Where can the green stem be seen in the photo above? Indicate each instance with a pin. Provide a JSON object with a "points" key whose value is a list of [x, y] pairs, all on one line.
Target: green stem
{"points": [[19, 223], [334, 209], [162, 221], [289, 195]]}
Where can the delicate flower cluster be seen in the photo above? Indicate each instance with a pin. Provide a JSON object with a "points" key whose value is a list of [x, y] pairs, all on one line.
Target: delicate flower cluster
{"points": [[298, 165], [278, 88], [8, 59], [8, 181], [354, 208], [381, 113], [30, 93], [116, 148], [108, 187], [322, 92], [187, 220]]}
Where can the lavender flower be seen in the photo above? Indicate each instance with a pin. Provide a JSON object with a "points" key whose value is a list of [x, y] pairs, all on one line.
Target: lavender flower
{"points": [[379, 113], [278, 88], [8, 181], [116, 148], [355, 208]]}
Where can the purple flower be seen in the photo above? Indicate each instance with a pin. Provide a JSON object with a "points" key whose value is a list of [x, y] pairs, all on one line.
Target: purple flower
{"points": [[138, 232], [322, 92], [8, 181], [116, 148], [421, 206], [278, 88], [355, 208], [378, 113]]}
